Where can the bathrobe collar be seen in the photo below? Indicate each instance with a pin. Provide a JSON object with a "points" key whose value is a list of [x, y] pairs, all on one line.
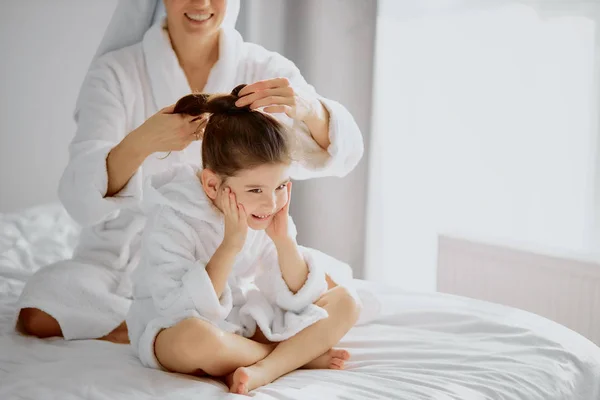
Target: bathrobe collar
{"points": [[167, 79]]}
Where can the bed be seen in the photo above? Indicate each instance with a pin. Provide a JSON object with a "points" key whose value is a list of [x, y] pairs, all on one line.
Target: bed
{"points": [[420, 346]]}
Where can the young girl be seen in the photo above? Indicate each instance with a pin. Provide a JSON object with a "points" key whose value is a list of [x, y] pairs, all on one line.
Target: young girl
{"points": [[222, 287]]}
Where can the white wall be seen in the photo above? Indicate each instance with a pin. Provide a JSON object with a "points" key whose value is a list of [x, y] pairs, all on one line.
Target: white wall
{"points": [[46, 48], [490, 133]]}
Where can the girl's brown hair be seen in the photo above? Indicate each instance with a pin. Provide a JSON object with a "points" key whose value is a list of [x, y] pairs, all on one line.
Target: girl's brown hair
{"points": [[236, 138]]}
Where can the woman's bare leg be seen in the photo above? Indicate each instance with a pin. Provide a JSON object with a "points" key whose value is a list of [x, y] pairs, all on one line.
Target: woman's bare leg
{"points": [[305, 346], [36, 322], [118, 335]]}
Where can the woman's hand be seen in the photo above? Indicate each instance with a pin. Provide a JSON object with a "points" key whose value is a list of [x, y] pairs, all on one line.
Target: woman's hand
{"points": [[236, 221], [277, 96], [166, 132], [278, 228]]}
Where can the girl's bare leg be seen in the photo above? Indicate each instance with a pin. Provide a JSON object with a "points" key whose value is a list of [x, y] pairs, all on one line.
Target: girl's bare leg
{"points": [[194, 344], [304, 347]]}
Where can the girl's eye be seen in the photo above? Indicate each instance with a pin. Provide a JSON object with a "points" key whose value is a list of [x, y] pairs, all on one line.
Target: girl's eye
{"points": [[255, 190], [281, 186]]}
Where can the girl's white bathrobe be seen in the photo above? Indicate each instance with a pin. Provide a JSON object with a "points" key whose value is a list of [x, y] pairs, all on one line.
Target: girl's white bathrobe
{"points": [[183, 231], [90, 294]]}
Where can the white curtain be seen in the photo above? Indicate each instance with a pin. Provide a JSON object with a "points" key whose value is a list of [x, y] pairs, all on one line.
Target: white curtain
{"points": [[332, 42], [485, 126]]}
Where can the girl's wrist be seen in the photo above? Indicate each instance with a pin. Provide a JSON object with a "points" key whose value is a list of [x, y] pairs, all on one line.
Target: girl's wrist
{"points": [[284, 243]]}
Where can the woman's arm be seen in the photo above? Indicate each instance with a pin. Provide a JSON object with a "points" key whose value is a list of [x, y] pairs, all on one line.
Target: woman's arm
{"points": [[103, 173], [317, 123], [330, 142], [122, 163], [164, 131]]}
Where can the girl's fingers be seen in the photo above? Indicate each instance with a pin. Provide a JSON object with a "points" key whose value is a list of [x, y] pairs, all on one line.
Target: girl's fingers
{"points": [[289, 199], [233, 206], [243, 217], [225, 202]]}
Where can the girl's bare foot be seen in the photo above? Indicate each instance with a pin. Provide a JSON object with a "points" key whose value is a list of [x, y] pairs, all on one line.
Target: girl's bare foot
{"points": [[333, 359], [238, 381], [245, 379]]}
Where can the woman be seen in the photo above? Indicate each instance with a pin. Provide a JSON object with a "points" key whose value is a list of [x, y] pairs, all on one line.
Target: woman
{"points": [[125, 127]]}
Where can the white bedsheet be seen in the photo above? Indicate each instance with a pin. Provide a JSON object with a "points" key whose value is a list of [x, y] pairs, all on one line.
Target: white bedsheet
{"points": [[423, 346]]}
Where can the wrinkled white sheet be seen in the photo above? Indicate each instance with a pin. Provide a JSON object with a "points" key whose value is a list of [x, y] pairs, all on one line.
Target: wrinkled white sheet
{"points": [[423, 346]]}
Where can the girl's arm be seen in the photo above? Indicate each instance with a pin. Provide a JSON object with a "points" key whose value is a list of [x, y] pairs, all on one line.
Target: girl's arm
{"points": [[219, 267], [291, 277], [294, 270]]}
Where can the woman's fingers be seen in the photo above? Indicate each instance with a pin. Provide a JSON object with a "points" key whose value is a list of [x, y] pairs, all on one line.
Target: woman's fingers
{"points": [[278, 109], [272, 101], [200, 125], [284, 92], [263, 85]]}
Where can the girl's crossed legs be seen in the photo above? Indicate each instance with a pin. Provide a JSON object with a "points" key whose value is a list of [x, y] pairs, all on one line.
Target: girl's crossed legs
{"points": [[194, 345]]}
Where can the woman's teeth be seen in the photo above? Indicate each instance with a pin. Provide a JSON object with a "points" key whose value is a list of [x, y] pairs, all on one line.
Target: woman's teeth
{"points": [[261, 216], [198, 17]]}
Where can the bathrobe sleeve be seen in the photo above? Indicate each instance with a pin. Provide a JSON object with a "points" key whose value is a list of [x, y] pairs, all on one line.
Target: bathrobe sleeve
{"points": [[101, 124], [346, 148], [176, 262], [271, 283]]}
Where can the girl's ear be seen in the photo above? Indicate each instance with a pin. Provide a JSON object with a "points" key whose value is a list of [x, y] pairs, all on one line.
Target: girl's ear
{"points": [[211, 183]]}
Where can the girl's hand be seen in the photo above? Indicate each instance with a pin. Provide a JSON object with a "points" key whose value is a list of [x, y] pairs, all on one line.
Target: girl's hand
{"points": [[166, 132], [277, 96], [278, 228], [236, 221]]}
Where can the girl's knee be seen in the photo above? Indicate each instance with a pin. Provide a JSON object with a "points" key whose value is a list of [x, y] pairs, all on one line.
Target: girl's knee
{"points": [[188, 345], [199, 334], [344, 303]]}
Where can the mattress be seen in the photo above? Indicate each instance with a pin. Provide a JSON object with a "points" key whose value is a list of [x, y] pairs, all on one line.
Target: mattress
{"points": [[420, 346]]}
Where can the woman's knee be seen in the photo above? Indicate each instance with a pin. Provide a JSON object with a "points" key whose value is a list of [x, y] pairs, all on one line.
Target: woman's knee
{"points": [[36, 322]]}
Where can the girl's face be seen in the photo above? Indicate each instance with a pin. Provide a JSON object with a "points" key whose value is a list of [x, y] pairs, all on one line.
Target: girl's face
{"points": [[195, 17], [261, 190]]}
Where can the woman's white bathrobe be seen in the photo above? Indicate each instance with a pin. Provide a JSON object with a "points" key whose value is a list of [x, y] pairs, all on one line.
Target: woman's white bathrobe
{"points": [[182, 232], [90, 294]]}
